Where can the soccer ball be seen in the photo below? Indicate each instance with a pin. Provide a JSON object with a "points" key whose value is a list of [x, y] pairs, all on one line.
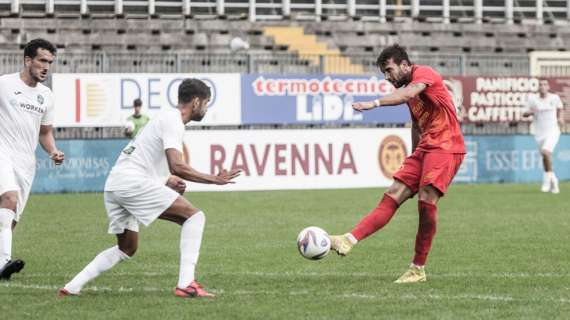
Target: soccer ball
{"points": [[129, 126], [313, 243]]}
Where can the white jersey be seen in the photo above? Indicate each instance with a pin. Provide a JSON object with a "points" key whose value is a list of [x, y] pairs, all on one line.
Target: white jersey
{"points": [[545, 122], [22, 110], [145, 157]]}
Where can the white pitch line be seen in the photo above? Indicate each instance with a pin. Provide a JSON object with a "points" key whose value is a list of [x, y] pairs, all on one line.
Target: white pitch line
{"points": [[319, 274], [367, 296]]}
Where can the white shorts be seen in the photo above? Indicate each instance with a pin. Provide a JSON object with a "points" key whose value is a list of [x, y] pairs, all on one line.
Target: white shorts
{"points": [[548, 142], [12, 179], [143, 203]]}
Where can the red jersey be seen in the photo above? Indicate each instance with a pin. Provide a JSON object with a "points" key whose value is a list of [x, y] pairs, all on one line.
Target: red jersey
{"points": [[433, 112]]}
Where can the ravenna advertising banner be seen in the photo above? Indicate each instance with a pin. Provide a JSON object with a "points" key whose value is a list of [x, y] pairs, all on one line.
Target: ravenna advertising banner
{"points": [[299, 159]]}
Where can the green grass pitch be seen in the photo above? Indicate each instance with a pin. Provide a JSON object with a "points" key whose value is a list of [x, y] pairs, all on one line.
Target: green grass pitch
{"points": [[501, 252]]}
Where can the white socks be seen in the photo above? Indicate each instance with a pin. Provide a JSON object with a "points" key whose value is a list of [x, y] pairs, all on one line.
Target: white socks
{"points": [[6, 218], [549, 174], [190, 241], [102, 262]]}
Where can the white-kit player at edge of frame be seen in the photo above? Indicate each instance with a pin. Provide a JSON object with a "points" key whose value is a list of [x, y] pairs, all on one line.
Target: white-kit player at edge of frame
{"points": [[546, 108], [144, 185], [26, 118]]}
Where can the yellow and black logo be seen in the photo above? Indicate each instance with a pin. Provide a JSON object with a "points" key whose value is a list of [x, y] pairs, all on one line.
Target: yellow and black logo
{"points": [[391, 155]]}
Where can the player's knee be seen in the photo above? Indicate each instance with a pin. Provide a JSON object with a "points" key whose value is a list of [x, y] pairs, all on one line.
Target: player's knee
{"points": [[399, 192], [429, 194], [546, 153], [9, 200], [190, 211], [129, 249]]}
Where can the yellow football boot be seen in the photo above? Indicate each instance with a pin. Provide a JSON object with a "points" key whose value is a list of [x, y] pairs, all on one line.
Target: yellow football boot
{"points": [[341, 244], [413, 275]]}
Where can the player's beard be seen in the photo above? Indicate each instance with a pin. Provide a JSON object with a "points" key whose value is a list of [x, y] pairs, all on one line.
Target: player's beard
{"points": [[404, 80], [197, 116]]}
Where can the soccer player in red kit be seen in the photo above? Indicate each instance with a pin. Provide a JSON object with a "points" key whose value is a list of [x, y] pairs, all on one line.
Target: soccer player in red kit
{"points": [[438, 150]]}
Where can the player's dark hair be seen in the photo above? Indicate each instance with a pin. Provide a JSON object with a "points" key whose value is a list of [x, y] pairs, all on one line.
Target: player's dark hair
{"points": [[192, 88], [137, 102], [31, 48], [394, 52]]}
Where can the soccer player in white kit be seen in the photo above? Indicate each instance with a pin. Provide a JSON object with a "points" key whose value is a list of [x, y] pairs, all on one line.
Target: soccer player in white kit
{"points": [[546, 108], [143, 186], [26, 117]]}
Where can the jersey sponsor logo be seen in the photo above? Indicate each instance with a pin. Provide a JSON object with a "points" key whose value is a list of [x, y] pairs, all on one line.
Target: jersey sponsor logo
{"points": [[28, 107], [391, 155]]}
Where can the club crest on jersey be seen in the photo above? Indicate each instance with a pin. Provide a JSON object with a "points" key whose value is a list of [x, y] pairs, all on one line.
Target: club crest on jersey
{"points": [[40, 99]]}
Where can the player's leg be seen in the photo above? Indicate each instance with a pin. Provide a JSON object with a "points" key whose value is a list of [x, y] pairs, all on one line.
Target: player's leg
{"points": [[13, 195], [546, 153], [8, 205], [428, 196], [8, 209], [192, 221], [104, 261], [404, 187], [547, 166], [125, 227], [397, 194], [547, 149], [437, 173]]}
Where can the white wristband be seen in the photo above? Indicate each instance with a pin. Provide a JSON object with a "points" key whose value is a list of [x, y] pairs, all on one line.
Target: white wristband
{"points": [[377, 102]]}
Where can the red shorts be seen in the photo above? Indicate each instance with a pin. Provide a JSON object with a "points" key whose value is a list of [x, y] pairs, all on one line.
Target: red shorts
{"points": [[426, 168]]}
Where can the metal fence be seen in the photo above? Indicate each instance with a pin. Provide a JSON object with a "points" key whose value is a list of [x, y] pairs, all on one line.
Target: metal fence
{"points": [[446, 11], [282, 63]]}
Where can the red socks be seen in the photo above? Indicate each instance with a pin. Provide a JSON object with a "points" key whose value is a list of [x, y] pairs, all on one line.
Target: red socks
{"points": [[426, 231], [385, 210], [376, 219]]}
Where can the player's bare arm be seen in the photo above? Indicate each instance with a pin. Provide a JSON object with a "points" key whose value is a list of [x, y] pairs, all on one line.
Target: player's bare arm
{"points": [[179, 168], [47, 142], [176, 184], [399, 96]]}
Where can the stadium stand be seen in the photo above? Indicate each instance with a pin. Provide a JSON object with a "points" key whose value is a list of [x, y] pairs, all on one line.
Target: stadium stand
{"points": [[166, 45], [458, 37]]}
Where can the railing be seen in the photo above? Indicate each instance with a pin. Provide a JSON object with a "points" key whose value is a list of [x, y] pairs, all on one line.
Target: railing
{"points": [[550, 64], [478, 11], [283, 63]]}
